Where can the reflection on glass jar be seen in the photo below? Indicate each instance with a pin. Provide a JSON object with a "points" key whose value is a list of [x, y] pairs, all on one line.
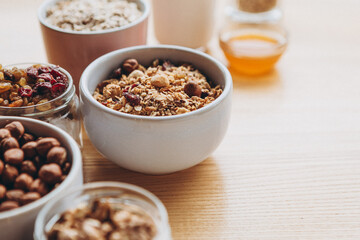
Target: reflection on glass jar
{"points": [[115, 203], [62, 111]]}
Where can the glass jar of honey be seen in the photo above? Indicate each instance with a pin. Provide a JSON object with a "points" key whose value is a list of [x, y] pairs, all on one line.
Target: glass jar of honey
{"points": [[250, 48]]}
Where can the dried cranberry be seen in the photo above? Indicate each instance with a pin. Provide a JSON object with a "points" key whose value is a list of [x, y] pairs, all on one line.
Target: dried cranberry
{"points": [[42, 87], [44, 69], [134, 85], [126, 89], [56, 73], [47, 77], [116, 73], [132, 98], [53, 81], [57, 89], [25, 92], [59, 76], [166, 65], [32, 72]]}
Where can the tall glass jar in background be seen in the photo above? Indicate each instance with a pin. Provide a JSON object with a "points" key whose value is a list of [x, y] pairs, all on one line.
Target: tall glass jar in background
{"points": [[187, 23], [62, 111], [122, 194]]}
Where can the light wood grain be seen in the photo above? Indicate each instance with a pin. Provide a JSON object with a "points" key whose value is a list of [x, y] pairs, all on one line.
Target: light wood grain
{"points": [[289, 166]]}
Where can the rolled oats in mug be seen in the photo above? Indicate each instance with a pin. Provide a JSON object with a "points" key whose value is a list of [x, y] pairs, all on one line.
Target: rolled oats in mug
{"points": [[92, 15]]}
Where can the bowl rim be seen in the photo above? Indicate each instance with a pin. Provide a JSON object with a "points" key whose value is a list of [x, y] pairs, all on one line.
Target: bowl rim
{"points": [[65, 93], [42, 19], [84, 91], [75, 168], [99, 184]]}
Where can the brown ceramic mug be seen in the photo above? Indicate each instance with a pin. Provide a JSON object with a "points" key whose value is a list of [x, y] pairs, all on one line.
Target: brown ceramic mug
{"points": [[74, 50]]}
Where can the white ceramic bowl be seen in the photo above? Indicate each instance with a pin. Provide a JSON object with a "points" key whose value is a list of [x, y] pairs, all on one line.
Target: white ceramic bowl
{"points": [[18, 224], [156, 145]]}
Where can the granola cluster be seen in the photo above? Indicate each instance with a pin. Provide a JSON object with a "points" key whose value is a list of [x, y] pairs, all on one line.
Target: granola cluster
{"points": [[162, 89], [92, 15], [27, 87], [103, 219]]}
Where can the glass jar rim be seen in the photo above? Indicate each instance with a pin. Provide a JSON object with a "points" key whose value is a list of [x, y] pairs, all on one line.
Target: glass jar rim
{"points": [[40, 219], [67, 94]]}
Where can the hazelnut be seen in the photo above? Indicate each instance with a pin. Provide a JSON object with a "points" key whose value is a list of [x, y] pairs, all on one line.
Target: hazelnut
{"points": [[14, 195], [28, 167], [8, 143], [29, 197], [107, 228], [16, 129], [92, 229], [27, 138], [192, 89], [101, 210], [14, 156], [66, 168], [8, 205], [38, 161], [50, 173], [57, 155], [130, 65], [2, 191], [9, 174], [1, 167], [23, 182], [62, 178], [45, 144], [39, 186], [136, 74], [4, 133], [160, 80], [29, 149]]}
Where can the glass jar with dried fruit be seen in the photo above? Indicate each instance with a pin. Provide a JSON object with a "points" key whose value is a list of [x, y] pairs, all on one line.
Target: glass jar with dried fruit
{"points": [[42, 91], [110, 210]]}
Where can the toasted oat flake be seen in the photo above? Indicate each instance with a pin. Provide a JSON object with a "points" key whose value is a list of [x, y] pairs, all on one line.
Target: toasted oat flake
{"points": [[158, 90]]}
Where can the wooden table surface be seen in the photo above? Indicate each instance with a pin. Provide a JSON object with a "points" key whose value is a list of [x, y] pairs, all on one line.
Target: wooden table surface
{"points": [[289, 166]]}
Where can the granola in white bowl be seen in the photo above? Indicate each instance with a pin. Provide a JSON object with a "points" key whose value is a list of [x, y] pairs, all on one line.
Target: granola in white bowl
{"points": [[162, 89]]}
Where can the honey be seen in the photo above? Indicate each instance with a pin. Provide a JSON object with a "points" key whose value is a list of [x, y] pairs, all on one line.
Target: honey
{"points": [[252, 52]]}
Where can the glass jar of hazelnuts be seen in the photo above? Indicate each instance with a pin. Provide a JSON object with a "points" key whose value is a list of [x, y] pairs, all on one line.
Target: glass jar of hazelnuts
{"points": [[41, 91]]}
